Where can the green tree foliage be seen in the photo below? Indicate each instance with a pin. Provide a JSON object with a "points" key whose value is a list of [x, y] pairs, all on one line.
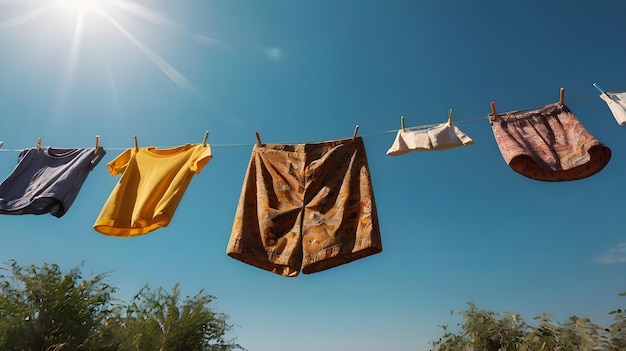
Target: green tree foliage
{"points": [[489, 331], [162, 320], [43, 308]]}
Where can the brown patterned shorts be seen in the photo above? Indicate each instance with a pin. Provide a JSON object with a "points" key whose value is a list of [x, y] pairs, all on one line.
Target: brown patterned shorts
{"points": [[306, 206], [549, 144]]}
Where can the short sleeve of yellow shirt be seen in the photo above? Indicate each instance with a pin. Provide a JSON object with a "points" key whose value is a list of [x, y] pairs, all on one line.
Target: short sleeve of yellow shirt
{"points": [[152, 185]]}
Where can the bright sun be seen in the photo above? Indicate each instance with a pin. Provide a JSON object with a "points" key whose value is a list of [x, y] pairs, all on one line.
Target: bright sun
{"points": [[80, 12], [81, 6]]}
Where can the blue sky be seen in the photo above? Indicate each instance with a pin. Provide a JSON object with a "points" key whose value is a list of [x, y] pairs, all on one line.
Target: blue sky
{"points": [[457, 225]]}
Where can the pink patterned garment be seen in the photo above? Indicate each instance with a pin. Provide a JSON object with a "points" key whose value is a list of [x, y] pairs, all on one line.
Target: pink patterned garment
{"points": [[548, 144]]}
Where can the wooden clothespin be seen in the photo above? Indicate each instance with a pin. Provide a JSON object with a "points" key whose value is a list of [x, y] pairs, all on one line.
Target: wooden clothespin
{"points": [[450, 117], [206, 137], [38, 144], [562, 97], [258, 139], [356, 130], [599, 88], [402, 123], [136, 144], [493, 109], [95, 151]]}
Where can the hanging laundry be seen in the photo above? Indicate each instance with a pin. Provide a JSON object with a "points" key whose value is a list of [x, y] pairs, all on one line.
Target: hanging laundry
{"points": [[617, 104], [47, 180], [306, 206], [548, 144], [428, 138], [152, 185]]}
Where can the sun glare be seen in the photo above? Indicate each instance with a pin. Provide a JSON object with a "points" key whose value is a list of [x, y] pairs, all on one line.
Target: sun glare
{"points": [[80, 12], [81, 6]]}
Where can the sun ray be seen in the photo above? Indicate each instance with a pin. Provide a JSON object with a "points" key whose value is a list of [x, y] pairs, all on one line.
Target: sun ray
{"points": [[147, 13], [76, 40], [27, 17], [112, 83], [172, 73], [205, 40], [79, 10], [161, 19], [69, 76]]}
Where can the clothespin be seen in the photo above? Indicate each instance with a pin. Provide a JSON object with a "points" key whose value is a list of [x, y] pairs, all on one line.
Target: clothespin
{"points": [[402, 122], [38, 144], [493, 109], [206, 137], [95, 151], [450, 117], [258, 139], [356, 130], [562, 97], [136, 144], [598, 87]]}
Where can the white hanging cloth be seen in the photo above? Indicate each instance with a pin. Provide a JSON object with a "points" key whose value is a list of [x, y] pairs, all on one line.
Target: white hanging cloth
{"points": [[617, 104], [428, 138]]}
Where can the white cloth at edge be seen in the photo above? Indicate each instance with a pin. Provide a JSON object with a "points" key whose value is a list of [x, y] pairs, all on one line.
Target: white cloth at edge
{"points": [[427, 138], [617, 104]]}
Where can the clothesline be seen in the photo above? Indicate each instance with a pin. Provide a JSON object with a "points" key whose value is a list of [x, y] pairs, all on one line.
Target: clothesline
{"points": [[362, 135], [263, 234]]}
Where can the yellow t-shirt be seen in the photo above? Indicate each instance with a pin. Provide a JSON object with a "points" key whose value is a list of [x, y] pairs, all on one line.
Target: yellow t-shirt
{"points": [[152, 184]]}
